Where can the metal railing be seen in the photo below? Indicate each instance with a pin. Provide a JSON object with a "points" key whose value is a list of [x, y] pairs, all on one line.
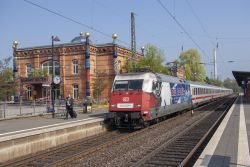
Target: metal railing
{"points": [[38, 107], [22, 108]]}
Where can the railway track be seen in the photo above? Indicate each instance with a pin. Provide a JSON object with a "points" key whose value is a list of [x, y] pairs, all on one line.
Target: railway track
{"points": [[180, 150], [50, 156], [71, 153]]}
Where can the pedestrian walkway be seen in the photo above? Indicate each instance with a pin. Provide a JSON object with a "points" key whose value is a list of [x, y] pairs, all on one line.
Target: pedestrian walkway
{"points": [[229, 146]]}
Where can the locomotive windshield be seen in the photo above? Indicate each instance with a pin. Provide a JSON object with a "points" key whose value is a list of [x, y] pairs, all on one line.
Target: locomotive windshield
{"points": [[128, 85]]}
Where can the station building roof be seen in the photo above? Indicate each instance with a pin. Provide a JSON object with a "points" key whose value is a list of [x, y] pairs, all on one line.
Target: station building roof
{"points": [[242, 77]]}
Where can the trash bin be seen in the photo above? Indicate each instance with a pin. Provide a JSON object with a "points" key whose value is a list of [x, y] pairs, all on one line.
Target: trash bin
{"points": [[15, 99], [87, 106], [50, 108]]}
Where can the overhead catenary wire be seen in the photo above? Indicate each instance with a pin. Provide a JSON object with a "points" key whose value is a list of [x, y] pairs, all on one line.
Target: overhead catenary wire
{"points": [[234, 38], [138, 26], [75, 21], [200, 23], [182, 27]]}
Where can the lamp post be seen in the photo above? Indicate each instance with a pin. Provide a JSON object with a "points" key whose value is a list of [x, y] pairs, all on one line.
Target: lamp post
{"points": [[116, 70], [87, 65], [53, 38], [142, 50], [15, 69]]}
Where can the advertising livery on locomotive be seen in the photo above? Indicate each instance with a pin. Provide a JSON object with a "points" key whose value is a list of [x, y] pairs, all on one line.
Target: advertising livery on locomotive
{"points": [[140, 98]]}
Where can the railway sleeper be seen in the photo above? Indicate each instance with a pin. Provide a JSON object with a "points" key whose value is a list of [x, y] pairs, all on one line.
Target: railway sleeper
{"points": [[170, 156], [196, 134], [181, 147], [177, 148], [162, 163], [171, 151], [160, 158], [186, 143]]}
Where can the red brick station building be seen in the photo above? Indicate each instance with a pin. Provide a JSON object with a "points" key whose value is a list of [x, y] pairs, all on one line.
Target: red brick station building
{"points": [[77, 65]]}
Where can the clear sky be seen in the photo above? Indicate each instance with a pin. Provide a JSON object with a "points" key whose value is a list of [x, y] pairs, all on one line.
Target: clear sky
{"points": [[206, 22]]}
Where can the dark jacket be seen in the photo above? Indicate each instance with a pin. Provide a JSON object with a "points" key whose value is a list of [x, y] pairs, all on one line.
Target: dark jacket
{"points": [[69, 103]]}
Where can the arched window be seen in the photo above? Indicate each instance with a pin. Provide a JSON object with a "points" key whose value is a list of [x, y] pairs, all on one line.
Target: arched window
{"points": [[75, 66], [48, 65]]}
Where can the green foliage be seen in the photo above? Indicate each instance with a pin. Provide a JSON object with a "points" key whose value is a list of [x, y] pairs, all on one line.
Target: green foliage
{"points": [[98, 86], [39, 72], [232, 84], [128, 66], [7, 74], [216, 82], [7, 87], [191, 60], [153, 59]]}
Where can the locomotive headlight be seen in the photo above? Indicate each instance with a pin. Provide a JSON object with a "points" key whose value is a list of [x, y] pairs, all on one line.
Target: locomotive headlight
{"points": [[144, 113], [137, 105], [113, 105]]}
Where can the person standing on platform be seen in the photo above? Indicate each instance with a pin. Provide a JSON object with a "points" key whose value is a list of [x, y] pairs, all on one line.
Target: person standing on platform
{"points": [[69, 107]]}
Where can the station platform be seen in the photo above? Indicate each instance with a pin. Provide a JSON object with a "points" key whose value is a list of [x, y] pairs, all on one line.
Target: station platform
{"points": [[16, 125], [229, 146], [28, 135]]}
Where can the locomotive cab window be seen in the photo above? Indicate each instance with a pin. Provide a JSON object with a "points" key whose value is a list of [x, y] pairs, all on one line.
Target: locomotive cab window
{"points": [[128, 85], [135, 85]]}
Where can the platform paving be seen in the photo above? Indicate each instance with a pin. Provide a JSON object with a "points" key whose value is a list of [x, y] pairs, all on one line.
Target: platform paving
{"points": [[229, 146], [10, 126]]}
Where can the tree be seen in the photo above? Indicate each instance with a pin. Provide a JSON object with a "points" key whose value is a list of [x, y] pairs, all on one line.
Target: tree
{"points": [[7, 87], [191, 60], [216, 82], [231, 84], [39, 72], [128, 66], [99, 86], [153, 59]]}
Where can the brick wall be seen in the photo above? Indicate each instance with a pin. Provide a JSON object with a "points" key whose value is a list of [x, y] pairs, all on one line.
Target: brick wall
{"points": [[101, 65]]}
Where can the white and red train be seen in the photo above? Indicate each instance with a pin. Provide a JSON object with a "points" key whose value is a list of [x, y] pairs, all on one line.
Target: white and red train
{"points": [[140, 98]]}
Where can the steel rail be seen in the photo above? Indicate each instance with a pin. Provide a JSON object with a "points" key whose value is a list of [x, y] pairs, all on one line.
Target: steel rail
{"points": [[203, 139]]}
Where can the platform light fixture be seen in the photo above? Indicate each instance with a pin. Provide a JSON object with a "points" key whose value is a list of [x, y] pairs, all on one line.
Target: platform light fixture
{"points": [[53, 39]]}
